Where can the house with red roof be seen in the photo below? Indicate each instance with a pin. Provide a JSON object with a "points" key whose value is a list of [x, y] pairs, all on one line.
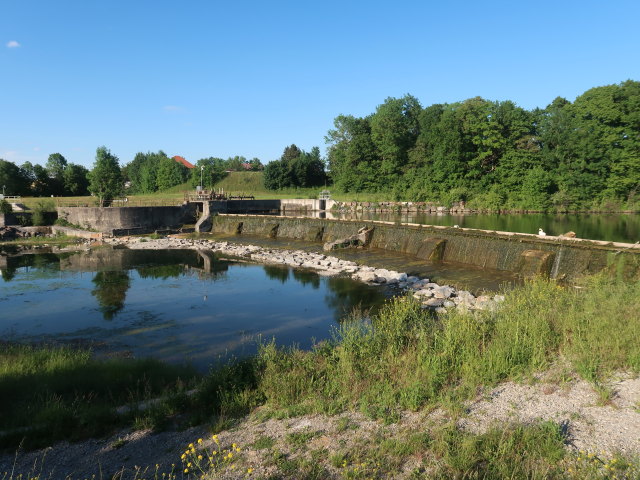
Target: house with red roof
{"points": [[181, 160]]}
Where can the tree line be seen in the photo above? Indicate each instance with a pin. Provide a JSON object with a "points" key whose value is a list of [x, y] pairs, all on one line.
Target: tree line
{"points": [[490, 154], [495, 154], [146, 173], [57, 177]]}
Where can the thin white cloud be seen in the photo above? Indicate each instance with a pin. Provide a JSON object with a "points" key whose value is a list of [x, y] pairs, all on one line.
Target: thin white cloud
{"points": [[173, 108], [12, 44], [18, 157]]}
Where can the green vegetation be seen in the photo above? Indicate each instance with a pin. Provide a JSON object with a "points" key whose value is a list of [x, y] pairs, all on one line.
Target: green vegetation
{"points": [[568, 156], [295, 168], [403, 359], [51, 393], [492, 155], [39, 210], [5, 207], [106, 177], [422, 361]]}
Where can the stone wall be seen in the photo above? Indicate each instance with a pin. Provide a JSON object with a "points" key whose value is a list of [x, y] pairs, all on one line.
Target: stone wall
{"points": [[515, 252], [399, 207]]}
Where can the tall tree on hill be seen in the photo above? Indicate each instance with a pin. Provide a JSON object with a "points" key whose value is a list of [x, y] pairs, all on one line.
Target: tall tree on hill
{"points": [[171, 173], [211, 170], [142, 171], [394, 130], [353, 161], [76, 181], [55, 166], [105, 177], [290, 153]]}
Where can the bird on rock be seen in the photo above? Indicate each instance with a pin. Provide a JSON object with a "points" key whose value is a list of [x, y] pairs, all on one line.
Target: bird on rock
{"points": [[541, 233]]}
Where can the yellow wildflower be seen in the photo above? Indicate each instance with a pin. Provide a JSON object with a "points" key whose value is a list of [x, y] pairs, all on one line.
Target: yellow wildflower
{"points": [[199, 440]]}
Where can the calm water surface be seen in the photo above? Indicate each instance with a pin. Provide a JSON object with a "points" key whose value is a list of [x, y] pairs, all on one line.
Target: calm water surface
{"points": [[174, 305], [600, 226]]}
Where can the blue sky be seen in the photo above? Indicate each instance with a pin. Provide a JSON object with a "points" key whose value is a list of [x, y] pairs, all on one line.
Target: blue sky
{"points": [[212, 78]]}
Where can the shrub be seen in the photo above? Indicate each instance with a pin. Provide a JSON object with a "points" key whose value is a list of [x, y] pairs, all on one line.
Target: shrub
{"points": [[5, 207], [41, 207]]}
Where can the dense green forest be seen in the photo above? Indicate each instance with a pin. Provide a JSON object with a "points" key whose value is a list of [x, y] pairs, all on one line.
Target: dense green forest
{"points": [[494, 154], [295, 168]]}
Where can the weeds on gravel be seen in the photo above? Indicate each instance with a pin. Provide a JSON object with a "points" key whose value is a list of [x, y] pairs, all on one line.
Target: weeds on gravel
{"points": [[199, 461], [591, 466]]}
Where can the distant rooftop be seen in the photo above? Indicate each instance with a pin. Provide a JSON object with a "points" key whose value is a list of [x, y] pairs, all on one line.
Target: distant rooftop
{"points": [[181, 160]]}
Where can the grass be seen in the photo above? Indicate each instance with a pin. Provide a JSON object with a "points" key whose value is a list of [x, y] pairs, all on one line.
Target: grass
{"points": [[57, 240], [49, 393], [406, 359]]}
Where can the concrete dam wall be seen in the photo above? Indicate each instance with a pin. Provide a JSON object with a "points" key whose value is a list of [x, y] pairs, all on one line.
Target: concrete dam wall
{"points": [[516, 252], [128, 219]]}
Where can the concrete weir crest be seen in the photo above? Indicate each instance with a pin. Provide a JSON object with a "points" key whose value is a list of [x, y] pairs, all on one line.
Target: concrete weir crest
{"points": [[521, 253]]}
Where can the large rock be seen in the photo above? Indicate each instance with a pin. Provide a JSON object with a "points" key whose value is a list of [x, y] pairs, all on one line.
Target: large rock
{"points": [[443, 292], [360, 239]]}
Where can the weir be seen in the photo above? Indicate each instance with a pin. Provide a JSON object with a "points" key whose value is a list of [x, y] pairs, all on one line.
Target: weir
{"points": [[526, 254]]}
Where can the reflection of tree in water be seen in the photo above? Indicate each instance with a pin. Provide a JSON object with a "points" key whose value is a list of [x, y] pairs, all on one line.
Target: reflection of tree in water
{"points": [[346, 294], [161, 271], [306, 277], [8, 273], [172, 266], [44, 263], [111, 291], [277, 273]]}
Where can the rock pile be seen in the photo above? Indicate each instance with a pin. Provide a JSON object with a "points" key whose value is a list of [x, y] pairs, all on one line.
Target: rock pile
{"points": [[439, 298]]}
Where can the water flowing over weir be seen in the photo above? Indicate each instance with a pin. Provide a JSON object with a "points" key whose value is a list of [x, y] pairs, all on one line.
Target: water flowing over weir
{"points": [[520, 253]]}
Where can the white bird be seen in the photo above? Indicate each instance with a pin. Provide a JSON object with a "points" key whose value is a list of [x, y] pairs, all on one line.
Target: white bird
{"points": [[541, 233], [456, 226]]}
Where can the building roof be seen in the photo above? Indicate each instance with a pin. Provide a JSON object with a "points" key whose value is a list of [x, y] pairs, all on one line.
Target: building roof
{"points": [[181, 160]]}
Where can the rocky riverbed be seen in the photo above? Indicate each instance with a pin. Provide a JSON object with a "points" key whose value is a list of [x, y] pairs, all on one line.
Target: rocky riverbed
{"points": [[439, 298]]}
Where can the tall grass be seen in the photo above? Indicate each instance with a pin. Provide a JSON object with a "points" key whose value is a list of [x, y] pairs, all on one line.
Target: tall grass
{"points": [[48, 393], [406, 358]]}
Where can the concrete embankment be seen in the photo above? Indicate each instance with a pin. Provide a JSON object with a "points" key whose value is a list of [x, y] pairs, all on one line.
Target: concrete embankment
{"points": [[521, 253], [128, 220]]}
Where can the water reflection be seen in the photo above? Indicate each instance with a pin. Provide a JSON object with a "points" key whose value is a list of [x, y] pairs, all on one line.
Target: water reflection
{"points": [[610, 227], [111, 292], [276, 273], [175, 305]]}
